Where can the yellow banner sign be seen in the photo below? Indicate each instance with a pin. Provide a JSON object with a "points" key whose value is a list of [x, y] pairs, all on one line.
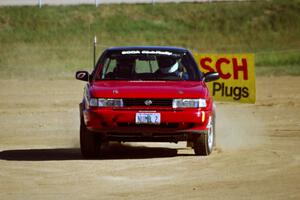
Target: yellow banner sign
{"points": [[237, 76]]}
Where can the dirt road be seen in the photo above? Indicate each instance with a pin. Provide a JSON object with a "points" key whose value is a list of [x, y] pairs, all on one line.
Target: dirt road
{"points": [[258, 153]]}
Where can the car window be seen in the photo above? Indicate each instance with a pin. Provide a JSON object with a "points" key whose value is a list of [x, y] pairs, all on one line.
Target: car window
{"points": [[146, 66], [118, 66], [110, 65]]}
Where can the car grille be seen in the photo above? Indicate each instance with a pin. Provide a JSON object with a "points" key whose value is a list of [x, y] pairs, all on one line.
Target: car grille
{"points": [[148, 102]]}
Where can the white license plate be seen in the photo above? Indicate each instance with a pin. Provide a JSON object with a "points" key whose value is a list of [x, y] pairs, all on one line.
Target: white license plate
{"points": [[147, 118]]}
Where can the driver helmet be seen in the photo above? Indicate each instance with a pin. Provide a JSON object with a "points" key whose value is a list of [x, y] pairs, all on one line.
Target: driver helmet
{"points": [[167, 65]]}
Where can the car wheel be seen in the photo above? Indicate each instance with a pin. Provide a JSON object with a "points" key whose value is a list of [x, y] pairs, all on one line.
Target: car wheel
{"points": [[214, 128], [205, 142], [89, 142]]}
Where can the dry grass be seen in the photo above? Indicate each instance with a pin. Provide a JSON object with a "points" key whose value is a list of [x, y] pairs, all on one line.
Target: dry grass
{"points": [[55, 41]]}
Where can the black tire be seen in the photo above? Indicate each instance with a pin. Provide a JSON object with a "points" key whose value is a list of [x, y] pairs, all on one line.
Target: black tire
{"points": [[89, 142], [214, 127], [204, 142]]}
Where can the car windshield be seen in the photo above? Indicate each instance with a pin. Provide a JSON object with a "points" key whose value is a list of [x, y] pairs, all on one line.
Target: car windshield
{"points": [[148, 65]]}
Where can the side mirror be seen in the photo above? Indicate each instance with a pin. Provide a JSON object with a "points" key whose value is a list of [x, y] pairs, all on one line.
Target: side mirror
{"points": [[82, 75], [211, 76]]}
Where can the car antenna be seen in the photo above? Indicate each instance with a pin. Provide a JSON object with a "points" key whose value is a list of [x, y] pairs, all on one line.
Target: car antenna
{"points": [[95, 45]]}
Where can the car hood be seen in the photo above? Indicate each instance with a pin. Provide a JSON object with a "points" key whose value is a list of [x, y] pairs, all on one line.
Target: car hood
{"points": [[148, 89]]}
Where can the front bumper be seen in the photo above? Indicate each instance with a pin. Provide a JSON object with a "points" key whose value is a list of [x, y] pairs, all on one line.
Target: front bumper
{"points": [[119, 124]]}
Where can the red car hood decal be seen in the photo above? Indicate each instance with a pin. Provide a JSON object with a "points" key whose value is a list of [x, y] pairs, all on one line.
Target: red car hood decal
{"points": [[149, 89]]}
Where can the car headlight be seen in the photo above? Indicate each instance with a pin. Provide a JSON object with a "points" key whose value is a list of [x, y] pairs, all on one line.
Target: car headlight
{"points": [[106, 102], [93, 102], [189, 103]]}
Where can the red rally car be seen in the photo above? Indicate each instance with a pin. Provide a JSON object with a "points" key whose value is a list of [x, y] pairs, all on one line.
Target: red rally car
{"points": [[146, 93]]}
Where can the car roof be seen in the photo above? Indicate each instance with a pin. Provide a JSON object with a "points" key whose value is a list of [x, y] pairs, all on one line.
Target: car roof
{"points": [[150, 48]]}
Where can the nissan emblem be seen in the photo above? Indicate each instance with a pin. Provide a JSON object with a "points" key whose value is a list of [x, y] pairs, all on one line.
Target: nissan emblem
{"points": [[148, 102]]}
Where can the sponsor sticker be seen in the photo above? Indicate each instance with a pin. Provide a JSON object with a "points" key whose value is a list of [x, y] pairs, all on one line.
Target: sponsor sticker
{"points": [[147, 52], [237, 76]]}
